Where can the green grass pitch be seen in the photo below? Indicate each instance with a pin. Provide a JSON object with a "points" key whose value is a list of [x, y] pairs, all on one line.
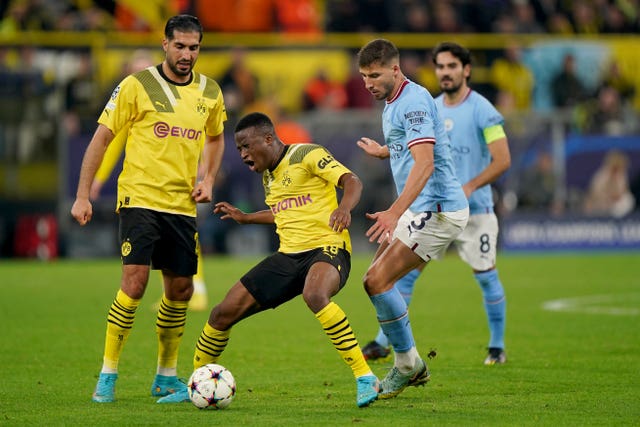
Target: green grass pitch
{"points": [[575, 364]]}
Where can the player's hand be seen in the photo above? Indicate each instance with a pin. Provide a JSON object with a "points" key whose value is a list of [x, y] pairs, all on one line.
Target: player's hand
{"points": [[383, 228], [467, 190], [82, 210], [340, 219], [372, 148], [202, 193], [229, 211]]}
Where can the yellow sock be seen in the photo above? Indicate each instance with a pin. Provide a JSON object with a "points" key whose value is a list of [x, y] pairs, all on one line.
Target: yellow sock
{"points": [[119, 323], [210, 345], [337, 327], [172, 316]]}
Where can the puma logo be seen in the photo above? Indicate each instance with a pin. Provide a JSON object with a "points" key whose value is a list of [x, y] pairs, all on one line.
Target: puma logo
{"points": [[161, 104]]}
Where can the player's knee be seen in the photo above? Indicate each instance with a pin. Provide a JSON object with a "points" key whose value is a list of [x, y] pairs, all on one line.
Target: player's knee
{"points": [[221, 318], [180, 289], [372, 281], [316, 301]]}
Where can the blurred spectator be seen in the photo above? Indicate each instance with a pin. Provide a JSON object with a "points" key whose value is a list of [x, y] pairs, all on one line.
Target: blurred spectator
{"points": [[81, 98], [361, 15], [290, 131], [583, 18], [559, 23], [614, 20], [137, 61], [613, 77], [81, 16], [298, 16], [342, 16], [426, 74], [410, 64], [445, 19], [27, 15], [239, 84], [505, 103], [511, 76], [567, 88], [525, 18], [127, 19], [504, 24], [236, 15], [609, 193], [536, 190], [606, 115], [416, 19], [321, 93], [25, 94], [357, 95]]}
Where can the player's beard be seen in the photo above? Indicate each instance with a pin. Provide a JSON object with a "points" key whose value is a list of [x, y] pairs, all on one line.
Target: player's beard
{"points": [[177, 71], [387, 91], [452, 88]]}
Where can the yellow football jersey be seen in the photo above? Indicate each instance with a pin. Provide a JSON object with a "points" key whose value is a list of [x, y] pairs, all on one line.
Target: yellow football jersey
{"points": [[166, 123], [301, 193]]}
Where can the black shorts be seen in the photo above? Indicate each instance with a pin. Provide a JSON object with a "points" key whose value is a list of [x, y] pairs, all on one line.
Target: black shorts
{"points": [[280, 277], [160, 239]]}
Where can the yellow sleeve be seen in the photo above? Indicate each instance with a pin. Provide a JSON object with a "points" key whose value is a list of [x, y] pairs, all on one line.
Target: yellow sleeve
{"points": [[111, 156], [493, 133]]}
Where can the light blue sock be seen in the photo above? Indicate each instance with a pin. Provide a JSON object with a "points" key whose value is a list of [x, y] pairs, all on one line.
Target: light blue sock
{"points": [[394, 319], [405, 287], [495, 304]]}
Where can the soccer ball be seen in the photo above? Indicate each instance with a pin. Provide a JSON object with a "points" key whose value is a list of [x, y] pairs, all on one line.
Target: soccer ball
{"points": [[211, 387]]}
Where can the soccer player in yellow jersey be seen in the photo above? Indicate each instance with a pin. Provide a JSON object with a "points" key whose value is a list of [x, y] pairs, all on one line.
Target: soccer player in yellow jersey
{"points": [[174, 118], [314, 258], [199, 300]]}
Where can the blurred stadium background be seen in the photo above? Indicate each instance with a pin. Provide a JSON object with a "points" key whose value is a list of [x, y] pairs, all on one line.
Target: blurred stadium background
{"points": [[563, 73]]}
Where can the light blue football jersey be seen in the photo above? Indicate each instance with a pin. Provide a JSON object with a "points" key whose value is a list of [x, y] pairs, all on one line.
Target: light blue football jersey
{"points": [[410, 118], [465, 123]]}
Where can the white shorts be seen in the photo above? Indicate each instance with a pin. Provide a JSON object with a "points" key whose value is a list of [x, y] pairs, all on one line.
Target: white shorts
{"points": [[429, 234], [477, 244]]}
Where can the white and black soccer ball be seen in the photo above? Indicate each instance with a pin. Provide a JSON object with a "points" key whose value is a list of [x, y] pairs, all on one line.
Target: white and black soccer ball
{"points": [[211, 387]]}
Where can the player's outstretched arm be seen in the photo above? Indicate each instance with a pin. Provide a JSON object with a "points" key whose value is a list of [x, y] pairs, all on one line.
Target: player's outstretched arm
{"points": [[352, 190], [228, 211], [372, 148]]}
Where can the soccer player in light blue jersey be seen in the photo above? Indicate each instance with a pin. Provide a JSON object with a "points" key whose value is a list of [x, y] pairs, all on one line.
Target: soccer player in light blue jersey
{"points": [[481, 155], [431, 209]]}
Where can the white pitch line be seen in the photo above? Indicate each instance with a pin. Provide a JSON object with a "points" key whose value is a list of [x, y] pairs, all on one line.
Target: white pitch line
{"points": [[609, 304]]}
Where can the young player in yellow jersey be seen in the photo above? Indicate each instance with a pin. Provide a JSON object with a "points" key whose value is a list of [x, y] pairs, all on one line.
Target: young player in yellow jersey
{"points": [[314, 258], [174, 119]]}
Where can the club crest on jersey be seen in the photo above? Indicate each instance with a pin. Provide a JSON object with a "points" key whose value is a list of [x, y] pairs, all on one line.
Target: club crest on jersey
{"points": [[201, 107], [126, 248], [448, 124], [286, 179]]}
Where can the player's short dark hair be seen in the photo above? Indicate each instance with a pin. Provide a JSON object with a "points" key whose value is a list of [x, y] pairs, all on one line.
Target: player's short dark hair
{"points": [[257, 120], [455, 49], [183, 23], [380, 51]]}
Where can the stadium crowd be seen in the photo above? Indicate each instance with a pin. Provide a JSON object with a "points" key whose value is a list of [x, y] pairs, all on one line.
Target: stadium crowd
{"points": [[422, 16]]}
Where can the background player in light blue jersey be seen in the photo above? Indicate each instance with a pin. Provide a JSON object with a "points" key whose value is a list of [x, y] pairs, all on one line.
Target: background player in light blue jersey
{"points": [[481, 155], [431, 209]]}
